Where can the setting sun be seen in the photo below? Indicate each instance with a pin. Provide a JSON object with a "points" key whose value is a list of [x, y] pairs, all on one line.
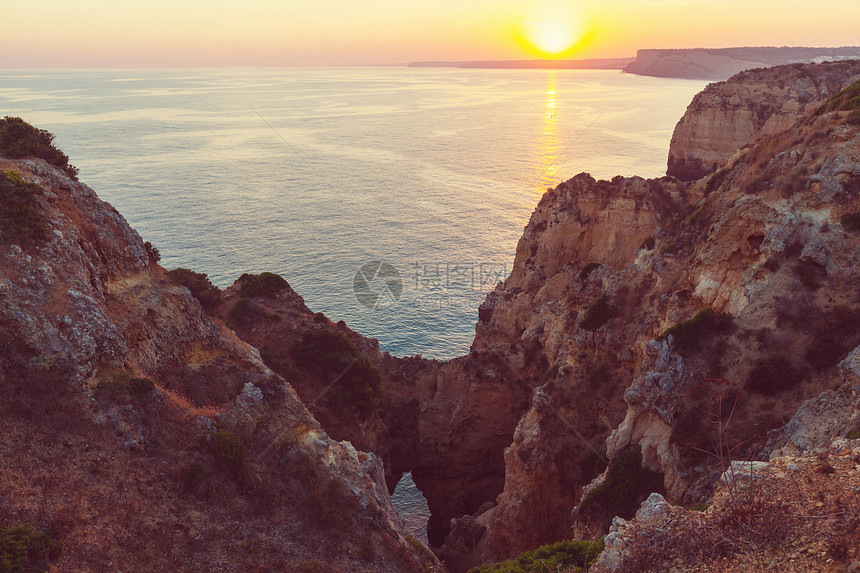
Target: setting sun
{"points": [[552, 29]]}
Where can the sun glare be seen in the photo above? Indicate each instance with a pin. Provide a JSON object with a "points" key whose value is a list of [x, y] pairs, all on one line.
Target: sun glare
{"points": [[552, 29]]}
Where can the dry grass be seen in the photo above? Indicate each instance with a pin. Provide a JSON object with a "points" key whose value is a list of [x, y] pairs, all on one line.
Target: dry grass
{"points": [[186, 408], [795, 516]]}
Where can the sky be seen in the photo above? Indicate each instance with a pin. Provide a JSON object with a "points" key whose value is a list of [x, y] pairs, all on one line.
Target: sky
{"points": [[192, 33]]}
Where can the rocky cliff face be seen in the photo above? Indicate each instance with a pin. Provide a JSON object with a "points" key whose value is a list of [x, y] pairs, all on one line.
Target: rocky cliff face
{"points": [[648, 330], [729, 115], [739, 302], [636, 312], [143, 434]]}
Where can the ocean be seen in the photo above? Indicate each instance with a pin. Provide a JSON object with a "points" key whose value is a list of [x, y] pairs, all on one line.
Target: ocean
{"points": [[389, 197]]}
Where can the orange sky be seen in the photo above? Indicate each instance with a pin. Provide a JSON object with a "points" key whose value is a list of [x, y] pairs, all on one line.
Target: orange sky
{"points": [[187, 33]]}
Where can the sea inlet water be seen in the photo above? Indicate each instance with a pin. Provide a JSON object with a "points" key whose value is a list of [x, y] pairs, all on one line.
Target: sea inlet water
{"points": [[391, 198]]}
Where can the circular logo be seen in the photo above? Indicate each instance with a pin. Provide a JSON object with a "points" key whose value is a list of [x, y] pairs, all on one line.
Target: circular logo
{"points": [[377, 283]]}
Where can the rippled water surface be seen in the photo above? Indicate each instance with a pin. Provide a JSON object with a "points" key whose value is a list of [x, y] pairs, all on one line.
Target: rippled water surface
{"points": [[312, 173]]}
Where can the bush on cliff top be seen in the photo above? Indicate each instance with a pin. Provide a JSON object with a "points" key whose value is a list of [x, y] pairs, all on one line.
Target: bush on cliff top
{"points": [[562, 556], [267, 285], [333, 358], [19, 139], [20, 218], [200, 286]]}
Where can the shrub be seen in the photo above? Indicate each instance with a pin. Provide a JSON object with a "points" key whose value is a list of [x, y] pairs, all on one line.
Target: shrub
{"points": [[19, 139], [333, 358], [626, 485], [565, 555], [151, 252], [810, 273], [833, 336], [192, 475], [124, 386], [24, 550], [688, 335], [267, 285], [200, 286], [716, 180], [21, 220], [851, 221], [246, 313], [586, 270], [846, 100], [230, 451], [853, 433], [773, 375], [598, 314]]}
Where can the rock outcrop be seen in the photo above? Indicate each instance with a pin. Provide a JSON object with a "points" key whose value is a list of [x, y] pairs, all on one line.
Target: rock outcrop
{"points": [[722, 63], [145, 435], [740, 300], [730, 115]]}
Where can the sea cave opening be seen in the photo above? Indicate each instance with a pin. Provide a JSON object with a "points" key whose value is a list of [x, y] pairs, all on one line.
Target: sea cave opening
{"points": [[412, 506]]}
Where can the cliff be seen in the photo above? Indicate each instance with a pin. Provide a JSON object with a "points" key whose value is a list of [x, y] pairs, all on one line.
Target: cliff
{"points": [[722, 63], [728, 116], [139, 433], [737, 306], [650, 332]]}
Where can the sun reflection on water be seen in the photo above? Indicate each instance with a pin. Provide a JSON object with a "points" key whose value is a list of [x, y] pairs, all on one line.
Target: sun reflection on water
{"points": [[550, 145]]}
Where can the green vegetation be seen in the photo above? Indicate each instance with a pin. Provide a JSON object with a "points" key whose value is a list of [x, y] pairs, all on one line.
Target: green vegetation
{"points": [[562, 556], [19, 139], [833, 335], [151, 252], [626, 485], [24, 550], [851, 221], [773, 375], [716, 180], [846, 100], [200, 286], [246, 313], [810, 273], [853, 433], [586, 270], [332, 357], [20, 220], [230, 451], [124, 386], [688, 335], [598, 314], [267, 285], [699, 507]]}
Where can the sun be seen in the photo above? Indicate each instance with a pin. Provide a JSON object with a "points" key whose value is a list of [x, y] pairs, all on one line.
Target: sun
{"points": [[552, 29]]}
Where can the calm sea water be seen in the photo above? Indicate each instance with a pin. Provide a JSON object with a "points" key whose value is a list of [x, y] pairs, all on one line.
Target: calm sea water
{"points": [[391, 198], [312, 173]]}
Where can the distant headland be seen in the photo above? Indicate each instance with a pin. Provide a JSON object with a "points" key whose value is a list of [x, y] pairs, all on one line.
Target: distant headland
{"points": [[694, 63], [721, 64]]}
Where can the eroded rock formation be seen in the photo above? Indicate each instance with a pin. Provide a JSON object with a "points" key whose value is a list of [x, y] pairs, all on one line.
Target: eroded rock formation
{"points": [[638, 314], [729, 115], [146, 435]]}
